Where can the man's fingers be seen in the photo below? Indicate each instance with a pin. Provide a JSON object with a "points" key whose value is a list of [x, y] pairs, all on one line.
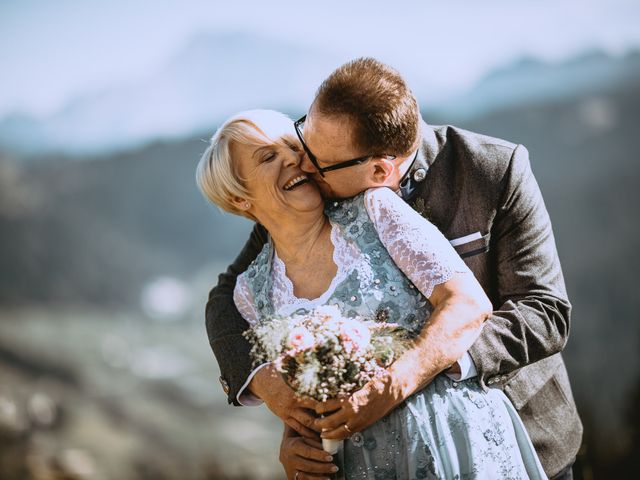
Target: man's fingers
{"points": [[310, 476], [304, 417], [306, 402], [339, 433], [314, 442], [301, 429], [309, 466], [311, 450], [329, 406], [332, 421]]}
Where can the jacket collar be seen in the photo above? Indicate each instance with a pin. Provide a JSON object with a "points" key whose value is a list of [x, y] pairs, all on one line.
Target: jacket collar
{"points": [[423, 159]]}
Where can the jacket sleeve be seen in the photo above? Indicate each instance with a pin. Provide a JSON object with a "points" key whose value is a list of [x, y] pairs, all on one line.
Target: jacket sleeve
{"points": [[225, 324], [532, 312]]}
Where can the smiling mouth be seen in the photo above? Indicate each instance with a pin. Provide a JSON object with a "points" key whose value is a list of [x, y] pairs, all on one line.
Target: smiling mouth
{"points": [[295, 182]]}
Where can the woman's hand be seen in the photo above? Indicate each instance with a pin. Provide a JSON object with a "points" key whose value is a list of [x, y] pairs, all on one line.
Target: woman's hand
{"points": [[304, 457], [344, 416]]}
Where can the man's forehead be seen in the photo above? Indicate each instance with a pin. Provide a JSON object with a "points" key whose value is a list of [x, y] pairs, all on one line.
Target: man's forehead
{"points": [[331, 134]]}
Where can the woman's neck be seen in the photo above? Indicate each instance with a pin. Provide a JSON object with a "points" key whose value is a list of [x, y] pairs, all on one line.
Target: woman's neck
{"points": [[295, 242]]}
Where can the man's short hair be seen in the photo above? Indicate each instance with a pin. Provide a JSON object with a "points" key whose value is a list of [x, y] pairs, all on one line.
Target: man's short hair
{"points": [[378, 101]]}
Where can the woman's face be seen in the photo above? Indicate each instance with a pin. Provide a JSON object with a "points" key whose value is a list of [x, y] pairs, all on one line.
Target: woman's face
{"points": [[272, 174]]}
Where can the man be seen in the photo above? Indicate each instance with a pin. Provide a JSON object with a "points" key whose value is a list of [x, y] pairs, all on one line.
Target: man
{"points": [[480, 192]]}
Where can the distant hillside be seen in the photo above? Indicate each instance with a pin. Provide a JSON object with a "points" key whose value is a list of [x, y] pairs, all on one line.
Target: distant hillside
{"points": [[96, 231]]}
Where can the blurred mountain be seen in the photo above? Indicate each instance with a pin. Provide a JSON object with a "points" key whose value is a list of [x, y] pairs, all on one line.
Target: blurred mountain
{"points": [[213, 76], [529, 81]]}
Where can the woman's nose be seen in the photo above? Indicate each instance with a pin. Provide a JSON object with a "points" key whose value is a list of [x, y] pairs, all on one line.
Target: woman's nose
{"points": [[294, 158]]}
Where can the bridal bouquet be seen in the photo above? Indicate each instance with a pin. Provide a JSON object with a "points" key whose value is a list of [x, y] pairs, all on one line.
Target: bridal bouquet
{"points": [[322, 354]]}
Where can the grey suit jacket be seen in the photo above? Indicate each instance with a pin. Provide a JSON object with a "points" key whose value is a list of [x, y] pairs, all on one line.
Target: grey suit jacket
{"points": [[466, 183]]}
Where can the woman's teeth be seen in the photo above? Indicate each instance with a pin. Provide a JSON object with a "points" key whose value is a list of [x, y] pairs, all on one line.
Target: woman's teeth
{"points": [[291, 184]]}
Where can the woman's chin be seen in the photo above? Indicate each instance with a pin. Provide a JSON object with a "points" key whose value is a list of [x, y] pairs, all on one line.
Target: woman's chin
{"points": [[311, 202], [317, 203], [305, 198]]}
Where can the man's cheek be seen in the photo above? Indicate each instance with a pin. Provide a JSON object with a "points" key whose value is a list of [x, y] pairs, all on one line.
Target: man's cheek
{"points": [[325, 189]]}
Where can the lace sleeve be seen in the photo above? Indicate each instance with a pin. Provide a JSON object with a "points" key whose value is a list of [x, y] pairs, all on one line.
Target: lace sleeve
{"points": [[243, 299], [417, 247]]}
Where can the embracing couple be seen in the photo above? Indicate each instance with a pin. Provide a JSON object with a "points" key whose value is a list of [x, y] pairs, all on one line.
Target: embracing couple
{"points": [[362, 205]]}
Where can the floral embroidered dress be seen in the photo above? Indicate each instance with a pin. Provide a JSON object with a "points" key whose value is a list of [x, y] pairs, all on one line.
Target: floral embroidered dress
{"points": [[389, 260]]}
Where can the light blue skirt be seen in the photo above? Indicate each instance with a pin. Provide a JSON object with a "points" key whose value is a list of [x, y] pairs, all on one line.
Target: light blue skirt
{"points": [[448, 430]]}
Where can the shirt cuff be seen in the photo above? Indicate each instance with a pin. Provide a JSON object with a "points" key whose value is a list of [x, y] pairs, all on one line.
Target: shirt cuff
{"points": [[467, 369], [246, 398]]}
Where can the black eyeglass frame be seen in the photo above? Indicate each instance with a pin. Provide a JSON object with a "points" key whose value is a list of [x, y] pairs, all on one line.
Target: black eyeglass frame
{"points": [[336, 166]]}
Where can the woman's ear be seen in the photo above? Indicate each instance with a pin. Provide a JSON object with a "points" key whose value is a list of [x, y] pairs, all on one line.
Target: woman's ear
{"points": [[382, 171], [241, 204]]}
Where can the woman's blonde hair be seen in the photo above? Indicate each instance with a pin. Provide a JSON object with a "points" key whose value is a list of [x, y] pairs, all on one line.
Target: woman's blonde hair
{"points": [[217, 174]]}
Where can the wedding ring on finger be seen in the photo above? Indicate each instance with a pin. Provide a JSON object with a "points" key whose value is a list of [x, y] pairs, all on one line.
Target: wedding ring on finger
{"points": [[346, 427], [297, 474]]}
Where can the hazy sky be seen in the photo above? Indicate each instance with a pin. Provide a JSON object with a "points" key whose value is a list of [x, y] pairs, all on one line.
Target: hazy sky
{"points": [[52, 51]]}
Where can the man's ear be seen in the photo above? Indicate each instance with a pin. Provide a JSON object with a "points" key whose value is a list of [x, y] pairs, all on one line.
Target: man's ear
{"points": [[382, 171]]}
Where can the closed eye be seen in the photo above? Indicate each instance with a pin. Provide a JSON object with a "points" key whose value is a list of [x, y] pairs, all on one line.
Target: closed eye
{"points": [[267, 157], [292, 145]]}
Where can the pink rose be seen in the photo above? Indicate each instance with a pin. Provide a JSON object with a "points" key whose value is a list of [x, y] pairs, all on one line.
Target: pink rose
{"points": [[300, 339], [355, 336]]}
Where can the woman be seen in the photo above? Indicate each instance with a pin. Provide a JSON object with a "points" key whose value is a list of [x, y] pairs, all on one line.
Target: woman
{"points": [[370, 256]]}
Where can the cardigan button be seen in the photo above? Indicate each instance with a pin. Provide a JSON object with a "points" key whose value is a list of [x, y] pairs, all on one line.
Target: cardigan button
{"points": [[225, 385], [419, 175]]}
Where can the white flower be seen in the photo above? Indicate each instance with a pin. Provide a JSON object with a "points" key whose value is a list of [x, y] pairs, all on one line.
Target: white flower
{"points": [[307, 377], [355, 335], [300, 338]]}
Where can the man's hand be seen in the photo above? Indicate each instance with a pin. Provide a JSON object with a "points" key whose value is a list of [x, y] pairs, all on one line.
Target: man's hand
{"points": [[344, 416], [304, 457], [297, 412]]}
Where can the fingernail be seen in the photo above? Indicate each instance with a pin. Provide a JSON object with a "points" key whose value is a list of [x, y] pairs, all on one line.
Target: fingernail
{"points": [[329, 458], [334, 469]]}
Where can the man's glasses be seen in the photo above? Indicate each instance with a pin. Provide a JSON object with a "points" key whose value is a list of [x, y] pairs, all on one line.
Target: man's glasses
{"points": [[299, 126]]}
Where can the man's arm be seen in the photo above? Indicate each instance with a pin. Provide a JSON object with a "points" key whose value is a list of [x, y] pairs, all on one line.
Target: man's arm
{"points": [[532, 318], [460, 307], [225, 325]]}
